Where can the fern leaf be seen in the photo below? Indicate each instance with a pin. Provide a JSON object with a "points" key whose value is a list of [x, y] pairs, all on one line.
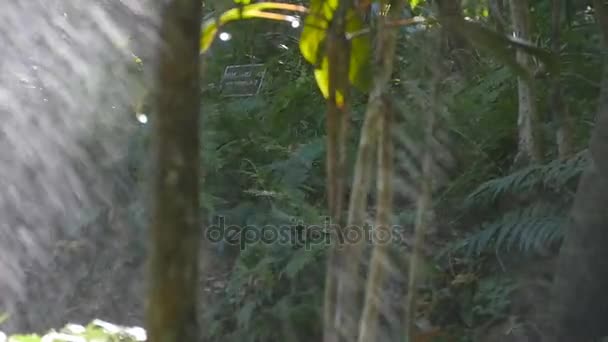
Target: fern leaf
{"points": [[297, 262], [245, 314], [523, 229], [549, 176]]}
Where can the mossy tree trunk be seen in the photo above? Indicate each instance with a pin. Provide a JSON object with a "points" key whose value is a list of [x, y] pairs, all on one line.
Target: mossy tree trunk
{"points": [[175, 228]]}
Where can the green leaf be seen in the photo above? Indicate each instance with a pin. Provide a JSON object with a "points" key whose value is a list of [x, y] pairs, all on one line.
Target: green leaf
{"points": [[298, 261], [311, 151], [312, 46], [208, 34], [414, 3], [322, 78], [312, 42], [249, 11], [315, 28], [24, 338], [359, 73], [244, 315]]}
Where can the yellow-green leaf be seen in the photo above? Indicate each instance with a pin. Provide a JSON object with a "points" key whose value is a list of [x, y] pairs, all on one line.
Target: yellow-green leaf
{"points": [[359, 72], [208, 34], [315, 29], [414, 3], [322, 78], [210, 27], [312, 46]]}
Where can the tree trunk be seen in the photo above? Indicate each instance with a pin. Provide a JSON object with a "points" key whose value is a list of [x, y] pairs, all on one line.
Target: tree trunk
{"points": [[338, 53], [561, 114], [350, 288], [175, 229], [457, 46], [581, 306], [368, 327], [529, 146], [497, 8]]}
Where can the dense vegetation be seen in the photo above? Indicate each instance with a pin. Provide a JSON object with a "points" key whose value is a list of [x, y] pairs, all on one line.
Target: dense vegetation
{"points": [[490, 217], [503, 183]]}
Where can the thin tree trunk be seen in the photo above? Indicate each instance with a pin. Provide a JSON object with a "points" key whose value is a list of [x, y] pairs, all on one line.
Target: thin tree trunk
{"points": [[338, 51], [350, 288], [175, 229], [497, 8], [580, 304], [528, 122], [457, 46], [379, 262], [559, 109]]}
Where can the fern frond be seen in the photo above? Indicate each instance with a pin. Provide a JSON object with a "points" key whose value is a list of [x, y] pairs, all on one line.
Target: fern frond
{"points": [[299, 260], [524, 229], [551, 176]]}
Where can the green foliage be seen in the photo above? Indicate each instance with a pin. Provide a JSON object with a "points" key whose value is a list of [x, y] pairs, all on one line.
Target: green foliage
{"points": [[492, 298], [264, 156], [271, 291], [249, 11], [270, 173], [526, 230], [314, 38], [500, 46], [536, 224], [414, 3], [554, 176], [98, 331]]}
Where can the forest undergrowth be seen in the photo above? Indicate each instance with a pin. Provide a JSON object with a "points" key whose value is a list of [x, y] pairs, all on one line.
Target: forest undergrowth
{"points": [[495, 232]]}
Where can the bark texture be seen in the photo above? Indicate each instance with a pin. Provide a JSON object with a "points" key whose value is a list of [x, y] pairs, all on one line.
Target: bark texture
{"points": [[338, 53], [561, 115], [528, 122], [175, 230], [368, 327], [350, 290], [457, 47], [580, 304]]}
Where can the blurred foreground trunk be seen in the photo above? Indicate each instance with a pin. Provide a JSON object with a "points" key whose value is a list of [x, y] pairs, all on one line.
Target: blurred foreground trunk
{"points": [[581, 304], [171, 311]]}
